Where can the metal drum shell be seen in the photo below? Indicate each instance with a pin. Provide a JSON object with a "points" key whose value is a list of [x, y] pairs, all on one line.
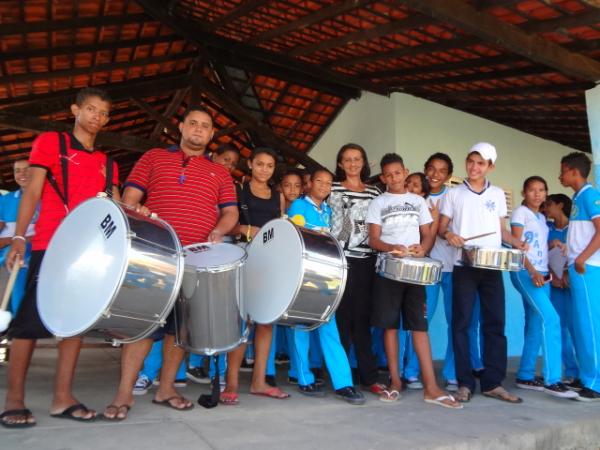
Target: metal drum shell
{"points": [[208, 312], [505, 259], [149, 281], [421, 271], [315, 292]]}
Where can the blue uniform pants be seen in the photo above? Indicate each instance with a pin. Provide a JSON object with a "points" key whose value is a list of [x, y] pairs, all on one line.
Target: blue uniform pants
{"points": [[333, 352], [153, 363], [563, 304], [542, 328], [585, 292]]}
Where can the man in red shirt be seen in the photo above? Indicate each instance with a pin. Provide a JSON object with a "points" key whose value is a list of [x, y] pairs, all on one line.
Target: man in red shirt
{"points": [[53, 156], [197, 198]]}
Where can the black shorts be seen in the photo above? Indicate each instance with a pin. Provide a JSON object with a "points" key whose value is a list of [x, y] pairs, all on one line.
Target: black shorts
{"points": [[27, 323], [395, 302], [169, 328]]}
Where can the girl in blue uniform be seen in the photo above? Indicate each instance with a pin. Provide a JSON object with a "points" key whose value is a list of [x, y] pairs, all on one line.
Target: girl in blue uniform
{"points": [[542, 324]]}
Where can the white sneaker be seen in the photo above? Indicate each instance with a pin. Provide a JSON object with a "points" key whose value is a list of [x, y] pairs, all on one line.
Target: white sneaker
{"points": [[414, 384], [452, 385], [142, 384]]}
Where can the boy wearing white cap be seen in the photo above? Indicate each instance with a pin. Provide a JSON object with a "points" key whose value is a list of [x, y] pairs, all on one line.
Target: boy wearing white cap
{"points": [[473, 208]]}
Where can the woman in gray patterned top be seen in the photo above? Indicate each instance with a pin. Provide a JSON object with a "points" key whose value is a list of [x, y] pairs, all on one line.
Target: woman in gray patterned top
{"points": [[349, 201]]}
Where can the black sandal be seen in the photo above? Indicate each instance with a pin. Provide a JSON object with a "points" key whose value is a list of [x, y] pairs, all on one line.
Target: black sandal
{"points": [[26, 413], [69, 413]]}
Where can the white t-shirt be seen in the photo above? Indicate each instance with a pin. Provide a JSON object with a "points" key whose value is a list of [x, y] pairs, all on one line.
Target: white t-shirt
{"points": [[472, 213], [535, 233], [586, 207], [400, 216], [442, 251]]}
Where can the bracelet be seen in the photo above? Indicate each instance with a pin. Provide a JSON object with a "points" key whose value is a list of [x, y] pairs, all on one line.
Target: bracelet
{"points": [[16, 236], [248, 229]]}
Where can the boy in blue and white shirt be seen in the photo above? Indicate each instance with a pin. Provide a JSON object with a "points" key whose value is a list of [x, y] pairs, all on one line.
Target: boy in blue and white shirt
{"points": [[583, 242], [312, 212]]}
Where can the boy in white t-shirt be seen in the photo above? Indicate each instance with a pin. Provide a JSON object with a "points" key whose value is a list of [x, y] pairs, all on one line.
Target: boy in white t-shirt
{"points": [[399, 222], [473, 208]]}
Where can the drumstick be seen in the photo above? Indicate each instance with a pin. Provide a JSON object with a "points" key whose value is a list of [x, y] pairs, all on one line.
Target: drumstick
{"points": [[479, 236], [6, 316], [9, 286]]}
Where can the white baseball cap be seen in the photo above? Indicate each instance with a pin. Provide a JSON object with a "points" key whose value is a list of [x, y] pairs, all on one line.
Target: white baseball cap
{"points": [[486, 150]]}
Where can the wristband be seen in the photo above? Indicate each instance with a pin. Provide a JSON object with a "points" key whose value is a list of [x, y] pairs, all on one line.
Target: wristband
{"points": [[21, 238]]}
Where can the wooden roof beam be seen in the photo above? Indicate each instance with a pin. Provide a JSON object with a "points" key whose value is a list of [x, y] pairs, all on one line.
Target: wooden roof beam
{"points": [[336, 9], [244, 9], [90, 48], [33, 76], [39, 105], [65, 24], [266, 134], [170, 111], [582, 19], [27, 123], [489, 28], [311, 73], [396, 26], [155, 115]]}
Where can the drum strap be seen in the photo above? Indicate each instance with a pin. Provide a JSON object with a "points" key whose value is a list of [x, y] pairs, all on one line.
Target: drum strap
{"points": [[241, 192], [212, 400], [109, 177], [64, 161]]}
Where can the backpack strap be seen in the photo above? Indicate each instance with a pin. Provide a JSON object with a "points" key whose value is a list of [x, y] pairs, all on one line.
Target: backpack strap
{"points": [[64, 161]]}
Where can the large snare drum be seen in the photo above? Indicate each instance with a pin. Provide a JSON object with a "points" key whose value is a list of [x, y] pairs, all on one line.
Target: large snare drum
{"points": [[293, 275], [493, 258], [109, 272], [208, 317], [424, 271]]}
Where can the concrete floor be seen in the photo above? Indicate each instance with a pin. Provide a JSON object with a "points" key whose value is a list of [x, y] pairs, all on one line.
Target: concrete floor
{"points": [[541, 422]]}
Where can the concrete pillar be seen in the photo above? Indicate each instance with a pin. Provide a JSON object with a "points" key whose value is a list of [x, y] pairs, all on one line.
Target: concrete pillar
{"points": [[592, 100]]}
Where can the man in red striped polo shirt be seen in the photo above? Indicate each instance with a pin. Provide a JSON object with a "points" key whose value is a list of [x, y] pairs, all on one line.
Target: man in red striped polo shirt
{"points": [[197, 197]]}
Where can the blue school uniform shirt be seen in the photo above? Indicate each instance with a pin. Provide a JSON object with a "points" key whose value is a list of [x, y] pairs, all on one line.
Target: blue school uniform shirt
{"points": [[9, 208], [586, 207], [303, 211], [557, 233]]}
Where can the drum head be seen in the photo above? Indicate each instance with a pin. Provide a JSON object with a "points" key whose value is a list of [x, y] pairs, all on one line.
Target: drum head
{"points": [[83, 267], [273, 271], [213, 256]]}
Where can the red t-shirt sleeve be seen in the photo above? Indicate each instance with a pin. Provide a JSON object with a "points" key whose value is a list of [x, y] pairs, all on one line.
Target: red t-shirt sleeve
{"points": [[141, 172], [227, 195], [44, 151], [115, 180]]}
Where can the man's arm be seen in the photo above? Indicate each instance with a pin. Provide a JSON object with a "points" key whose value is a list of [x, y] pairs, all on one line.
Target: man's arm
{"points": [[29, 201], [228, 218]]}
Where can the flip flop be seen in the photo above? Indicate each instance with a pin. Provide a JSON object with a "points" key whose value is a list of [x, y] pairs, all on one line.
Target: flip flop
{"points": [[26, 413], [440, 402], [229, 398], [167, 403], [463, 394], [273, 392], [499, 393], [118, 409], [69, 413], [390, 396]]}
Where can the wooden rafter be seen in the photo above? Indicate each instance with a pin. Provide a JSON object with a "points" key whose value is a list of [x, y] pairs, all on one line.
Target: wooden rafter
{"points": [[562, 23], [22, 27], [169, 111], [264, 59], [487, 27], [395, 26], [155, 115], [105, 138], [39, 105], [318, 16], [243, 9]]}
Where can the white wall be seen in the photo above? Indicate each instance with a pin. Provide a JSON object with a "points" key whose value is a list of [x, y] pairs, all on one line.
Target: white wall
{"points": [[416, 128]]}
